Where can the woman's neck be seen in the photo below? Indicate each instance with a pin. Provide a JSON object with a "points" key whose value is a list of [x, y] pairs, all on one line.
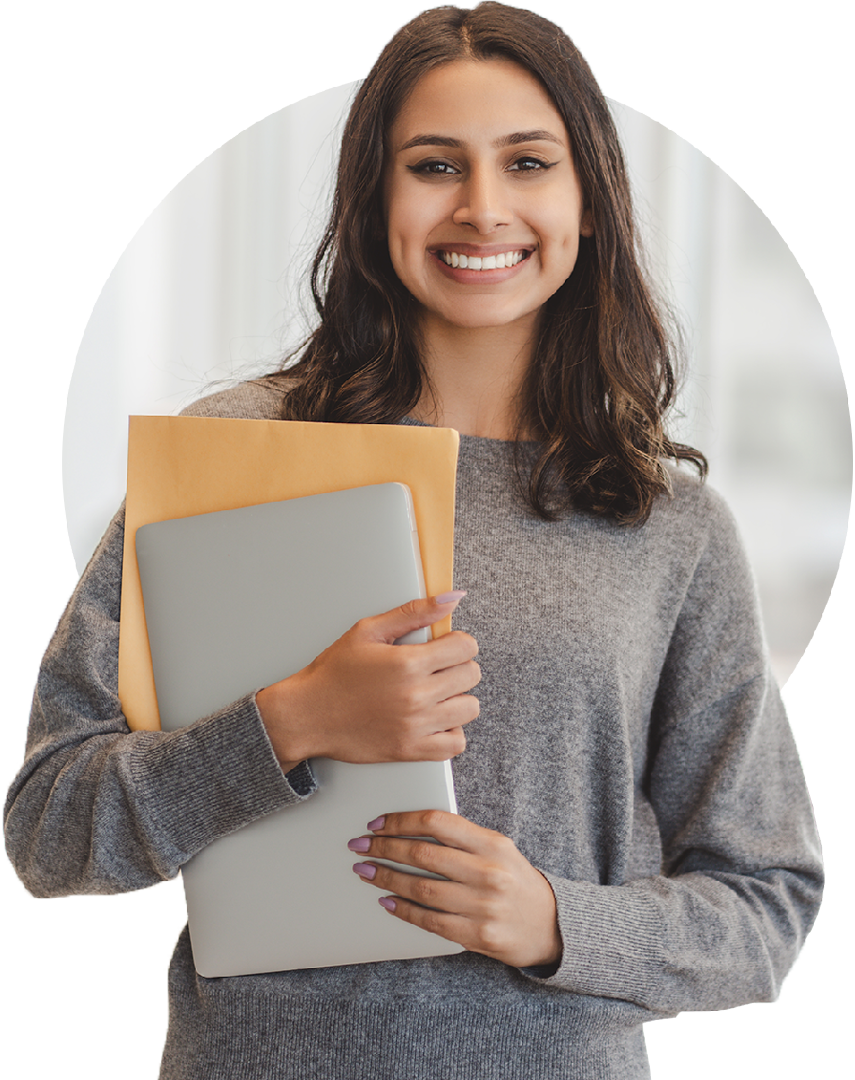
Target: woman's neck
{"points": [[476, 376]]}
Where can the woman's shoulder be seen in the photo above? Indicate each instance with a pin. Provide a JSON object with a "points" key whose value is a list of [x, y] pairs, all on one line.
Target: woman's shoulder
{"points": [[693, 497], [697, 516], [692, 494], [257, 399]]}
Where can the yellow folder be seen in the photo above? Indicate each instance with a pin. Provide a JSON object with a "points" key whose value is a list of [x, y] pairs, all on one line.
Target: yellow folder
{"points": [[184, 465]]}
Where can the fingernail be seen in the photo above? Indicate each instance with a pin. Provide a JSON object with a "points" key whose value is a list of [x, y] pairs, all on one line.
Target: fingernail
{"points": [[373, 826], [361, 843], [450, 597], [387, 902], [365, 870]]}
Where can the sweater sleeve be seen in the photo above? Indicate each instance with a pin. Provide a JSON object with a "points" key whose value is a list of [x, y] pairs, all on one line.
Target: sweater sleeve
{"points": [[97, 808], [741, 873]]}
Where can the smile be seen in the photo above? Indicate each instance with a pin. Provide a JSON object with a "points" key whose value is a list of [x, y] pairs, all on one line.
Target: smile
{"points": [[489, 262]]}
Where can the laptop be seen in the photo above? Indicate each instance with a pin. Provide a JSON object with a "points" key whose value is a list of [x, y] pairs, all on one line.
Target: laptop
{"points": [[235, 600]]}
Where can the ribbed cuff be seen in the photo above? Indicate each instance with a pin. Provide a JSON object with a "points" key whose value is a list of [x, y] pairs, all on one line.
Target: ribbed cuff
{"points": [[612, 937], [213, 777]]}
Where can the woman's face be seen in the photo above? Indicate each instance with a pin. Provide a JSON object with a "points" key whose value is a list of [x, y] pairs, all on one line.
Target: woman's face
{"points": [[483, 206]]}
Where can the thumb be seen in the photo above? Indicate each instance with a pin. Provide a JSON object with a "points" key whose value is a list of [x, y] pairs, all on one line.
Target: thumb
{"points": [[394, 624]]}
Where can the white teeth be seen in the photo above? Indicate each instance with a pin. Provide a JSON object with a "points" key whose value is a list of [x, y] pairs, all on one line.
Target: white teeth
{"points": [[489, 262]]}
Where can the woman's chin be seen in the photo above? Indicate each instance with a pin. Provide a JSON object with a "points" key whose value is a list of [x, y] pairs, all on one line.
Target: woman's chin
{"points": [[471, 317]]}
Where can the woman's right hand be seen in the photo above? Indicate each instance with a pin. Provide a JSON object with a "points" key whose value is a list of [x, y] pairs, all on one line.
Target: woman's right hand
{"points": [[365, 699]]}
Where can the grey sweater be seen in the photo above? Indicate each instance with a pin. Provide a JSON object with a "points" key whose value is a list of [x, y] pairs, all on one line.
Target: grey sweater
{"points": [[631, 741]]}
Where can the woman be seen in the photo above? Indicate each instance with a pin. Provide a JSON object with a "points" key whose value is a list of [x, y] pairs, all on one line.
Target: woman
{"points": [[634, 835]]}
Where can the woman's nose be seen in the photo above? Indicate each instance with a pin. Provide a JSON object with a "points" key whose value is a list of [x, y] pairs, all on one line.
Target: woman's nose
{"points": [[482, 202]]}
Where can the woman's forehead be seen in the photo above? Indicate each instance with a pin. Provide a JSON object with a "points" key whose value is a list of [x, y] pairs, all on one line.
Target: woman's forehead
{"points": [[476, 100]]}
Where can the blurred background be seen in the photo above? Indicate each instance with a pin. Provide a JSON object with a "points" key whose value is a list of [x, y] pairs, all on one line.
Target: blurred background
{"points": [[212, 290]]}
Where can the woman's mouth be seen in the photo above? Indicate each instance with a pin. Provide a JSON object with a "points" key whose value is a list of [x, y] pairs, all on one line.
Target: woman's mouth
{"points": [[488, 268], [500, 261]]}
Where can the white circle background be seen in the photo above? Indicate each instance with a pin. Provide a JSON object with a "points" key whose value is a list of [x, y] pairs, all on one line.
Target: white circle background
{"points": [[105, 109]]}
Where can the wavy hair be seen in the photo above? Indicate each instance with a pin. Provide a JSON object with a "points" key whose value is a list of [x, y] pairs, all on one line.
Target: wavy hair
{"points": [[602, 375]]}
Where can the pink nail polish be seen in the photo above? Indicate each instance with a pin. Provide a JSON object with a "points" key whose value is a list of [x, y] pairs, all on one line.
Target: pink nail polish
{"points": [[365, 870], [376, 824], [450, 597], [360, 844], [387, 902]]}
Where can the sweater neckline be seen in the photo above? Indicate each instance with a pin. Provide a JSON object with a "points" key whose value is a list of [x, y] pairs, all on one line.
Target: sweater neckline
{"points": [[483, 441]]}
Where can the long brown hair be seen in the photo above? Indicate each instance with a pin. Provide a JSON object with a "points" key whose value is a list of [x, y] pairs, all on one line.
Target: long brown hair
{"points": [[603, 371]]}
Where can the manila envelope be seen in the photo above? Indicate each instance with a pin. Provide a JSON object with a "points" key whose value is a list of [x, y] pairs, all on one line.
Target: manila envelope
{"points": [[179, 466]]}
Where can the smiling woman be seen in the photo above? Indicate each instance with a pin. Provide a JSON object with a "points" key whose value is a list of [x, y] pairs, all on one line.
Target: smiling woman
{"points": [[485, 200], [477, 136], [483, 228], [634, 836]]}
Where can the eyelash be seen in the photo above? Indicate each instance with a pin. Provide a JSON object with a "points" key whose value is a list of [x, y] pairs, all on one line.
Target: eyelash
{"points": [[425, 168], [542, 166]]}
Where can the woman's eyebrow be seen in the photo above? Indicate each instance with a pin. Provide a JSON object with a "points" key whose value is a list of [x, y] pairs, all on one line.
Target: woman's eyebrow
{"points": [[538, 135], [514, 139]]}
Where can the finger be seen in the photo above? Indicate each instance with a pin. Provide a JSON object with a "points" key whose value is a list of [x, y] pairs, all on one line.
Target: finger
{"points": [[454, 712], [455, 680], [451, 897], [432, 658], [447, 651], [453, 830], [443, 736], [440, 746], [440, 654], [415, 614], [452, 927], [420, 853]]}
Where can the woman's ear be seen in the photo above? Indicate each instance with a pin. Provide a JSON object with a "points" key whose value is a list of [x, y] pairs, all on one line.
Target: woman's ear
{"points": [[586, 225]]}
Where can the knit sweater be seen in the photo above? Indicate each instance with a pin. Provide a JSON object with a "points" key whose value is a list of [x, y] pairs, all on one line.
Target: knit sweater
{"points": [[631, 741]]}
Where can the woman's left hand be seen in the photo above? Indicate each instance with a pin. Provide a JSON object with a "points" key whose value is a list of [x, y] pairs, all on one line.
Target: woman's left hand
{"points": [[494, 901]]}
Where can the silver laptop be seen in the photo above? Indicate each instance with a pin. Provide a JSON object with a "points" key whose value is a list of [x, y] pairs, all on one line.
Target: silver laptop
{"points": [[236, 600]]}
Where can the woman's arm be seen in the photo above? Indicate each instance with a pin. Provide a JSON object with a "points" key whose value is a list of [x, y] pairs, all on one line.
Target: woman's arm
{"points": [[720, 927], [741, 873], [365, 699], [99, 809]]}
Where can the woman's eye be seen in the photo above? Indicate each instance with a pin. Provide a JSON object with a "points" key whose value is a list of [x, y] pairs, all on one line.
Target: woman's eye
{"points": [[529, 164], [433, 168]]}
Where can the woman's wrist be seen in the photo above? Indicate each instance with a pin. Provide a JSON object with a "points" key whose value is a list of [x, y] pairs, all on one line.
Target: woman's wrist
{"points": [[553, 944], [280, 716]]}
